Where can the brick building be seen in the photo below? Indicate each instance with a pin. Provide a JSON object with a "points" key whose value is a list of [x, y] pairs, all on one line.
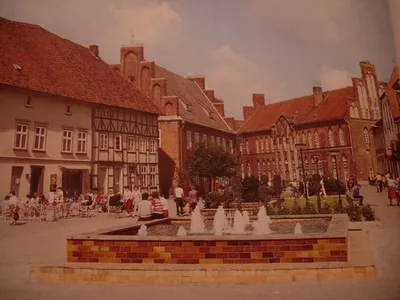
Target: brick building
{"points": [[386, 130], [67, 119], [330, 128], [190, 112]]}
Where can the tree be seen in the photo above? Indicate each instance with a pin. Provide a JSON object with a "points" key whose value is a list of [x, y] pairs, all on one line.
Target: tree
{"points": [[211, 161], [278, 189]]}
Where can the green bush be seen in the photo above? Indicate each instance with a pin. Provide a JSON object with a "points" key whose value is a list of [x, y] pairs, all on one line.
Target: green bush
{"points": [[296, 209], [284, 211], [213, 200], [314, 185], [250, 186], [331, 186], [354, 212], [326, 208], [336, 209], [368, 213], [309, 209], [271, 210]]}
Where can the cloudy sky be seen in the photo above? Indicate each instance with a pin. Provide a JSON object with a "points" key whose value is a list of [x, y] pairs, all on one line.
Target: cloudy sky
{"points": [[276, 47]]}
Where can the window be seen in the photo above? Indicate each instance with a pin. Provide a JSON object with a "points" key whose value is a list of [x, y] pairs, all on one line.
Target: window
{"points": [[189, 139], [257, 146], [40, 138], [67, 141], [248, 169], [142, 145], [68, 109], [106, 112], [223, 141], [153, 146], [284, 143], [28, 102], [371, 173], [272, 145], [97, 112], [334, 170], [331, 138], [153, 176], [21, 136], [291, 143], [366, 136], [204, 138], [131, 144], [196, 138], [143, 176], [218, 140], [212, 141], [103, 143], [341, 137], [262, 145], [258, 171], [231, 146], [304, 140], [82, 137], [241, 147], [310, 140], [118, 143], [297, 138], [247, 147], [316, 139], [267, 145]]}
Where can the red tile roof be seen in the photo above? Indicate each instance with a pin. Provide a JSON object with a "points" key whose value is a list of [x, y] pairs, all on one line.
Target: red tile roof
{"points": [[301, 110], [191, 95], [392, 94], [57, 66]]}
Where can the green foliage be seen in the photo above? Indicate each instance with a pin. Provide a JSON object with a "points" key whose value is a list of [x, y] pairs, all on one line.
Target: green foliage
{"points": [[277, 185], [182, 176], [213, 200], [314, 186], [326, 208], [331, 186], [296, 209], [354, 212], [309, 209], [368, 213], [211, 161], [336, 209], [284, 211], [250, 186]]}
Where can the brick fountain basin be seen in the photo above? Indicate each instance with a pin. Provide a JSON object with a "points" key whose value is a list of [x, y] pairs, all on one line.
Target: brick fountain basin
{"points": [[121, 245], [111, 256]]}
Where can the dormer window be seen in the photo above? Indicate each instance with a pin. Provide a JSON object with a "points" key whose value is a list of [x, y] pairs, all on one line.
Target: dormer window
{"points": [[208, 113], [68, 109], [28, 101]]}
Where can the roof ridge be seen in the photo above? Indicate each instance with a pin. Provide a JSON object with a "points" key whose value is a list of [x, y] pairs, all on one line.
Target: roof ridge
{"points": [[21, 23]]}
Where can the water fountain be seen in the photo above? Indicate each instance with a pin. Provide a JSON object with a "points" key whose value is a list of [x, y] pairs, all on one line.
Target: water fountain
{"points": [[181, 231], [142, 230], [261, 226], [246, 218], [220, 221], [298, 229], [197, 222], [238, 223]]}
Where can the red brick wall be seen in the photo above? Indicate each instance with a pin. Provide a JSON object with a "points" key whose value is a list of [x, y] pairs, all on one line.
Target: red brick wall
{"points": [[208, 252]]}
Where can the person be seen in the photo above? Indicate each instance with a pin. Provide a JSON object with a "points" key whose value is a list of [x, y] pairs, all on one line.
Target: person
{"points": [[13, 208], [156, 206], [392, 185], [193, 198], [178, 193], [357, 195], [136, 197], [164, 203], [144, 208], [378, 182], [323, 190], [398, 191], [127, 200]]}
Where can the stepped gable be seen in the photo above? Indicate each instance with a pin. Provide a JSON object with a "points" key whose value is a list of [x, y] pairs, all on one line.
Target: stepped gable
{"points": [[194, 105], [392, 86], [301, 110], [36, 59]]}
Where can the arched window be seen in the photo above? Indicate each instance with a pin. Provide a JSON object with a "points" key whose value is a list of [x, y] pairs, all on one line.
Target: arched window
{"points": [[351, 111], [241, 147], [271, 143], [366, 136], [247, 147], [284, 143], [257, 146], [258, 170], [334, 167], [263, 167], [316, 139], [306, 166], [356, 112], [267, 144], [310, 140], [248, 169], [341, 137], [262, 144], [331, 138], [313, 167], [304, 140]]}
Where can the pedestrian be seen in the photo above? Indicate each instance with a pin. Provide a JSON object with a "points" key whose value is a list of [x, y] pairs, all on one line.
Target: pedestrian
{"points": [[178, 193], [392, 186], [156, 206], [193, 198], [378, 182]]}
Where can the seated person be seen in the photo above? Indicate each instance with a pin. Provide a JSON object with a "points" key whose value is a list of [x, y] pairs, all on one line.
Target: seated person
{"points": [[144, 208], [357, 195], [156, 206], [164, 203], [87, 200]]}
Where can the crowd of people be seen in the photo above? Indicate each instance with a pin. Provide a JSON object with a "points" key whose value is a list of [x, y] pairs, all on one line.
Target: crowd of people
{"points": [[145, 206], [392, 184]]}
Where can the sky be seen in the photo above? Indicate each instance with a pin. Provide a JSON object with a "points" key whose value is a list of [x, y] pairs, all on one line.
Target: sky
{"points": [[277, 47]]}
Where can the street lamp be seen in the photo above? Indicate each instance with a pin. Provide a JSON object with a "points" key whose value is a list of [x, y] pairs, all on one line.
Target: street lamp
{"points": [[335, 154], [301, 147]]}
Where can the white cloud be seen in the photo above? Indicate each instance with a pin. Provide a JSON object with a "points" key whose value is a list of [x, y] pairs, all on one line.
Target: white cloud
{"points": [[108, 23], [235, 77], [332, 78]]}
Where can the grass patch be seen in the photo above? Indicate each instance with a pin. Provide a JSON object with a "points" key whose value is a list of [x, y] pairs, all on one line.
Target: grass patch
{"points": [[330, 199]]}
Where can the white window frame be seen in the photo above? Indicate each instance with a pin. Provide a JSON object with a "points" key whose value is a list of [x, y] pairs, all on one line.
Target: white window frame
{"points": [[131, 144], [82, 142], [189, 142], [196, 137], [366, 136], [103, 141], [20, 134], [223, 142], [262, 140], [118, 142], [39, 142], [152, 146], [153, 176], [67, 141], [143, 176], [142, 145]]}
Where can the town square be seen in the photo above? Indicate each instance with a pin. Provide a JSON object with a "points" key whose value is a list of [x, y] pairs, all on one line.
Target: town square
{"points": [[271, 170]]}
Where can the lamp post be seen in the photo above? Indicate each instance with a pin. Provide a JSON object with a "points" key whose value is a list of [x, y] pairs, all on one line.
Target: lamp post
{"points": [[301, 147], [335, 154], [316, 158]]}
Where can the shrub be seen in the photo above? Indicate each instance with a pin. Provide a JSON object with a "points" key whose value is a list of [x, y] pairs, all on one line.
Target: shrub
{"points": [[250, 189], [309, 209], [368, 213], [314, 185], [213, 200], [336, 209], [326, 208], [271, 210], [284, 211], [331, 186], [354, 212], [296, 209]]}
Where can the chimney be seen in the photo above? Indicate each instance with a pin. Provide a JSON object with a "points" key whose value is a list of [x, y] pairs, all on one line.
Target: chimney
{"points": [[258, 100], [210, 95], [94, 49], [248, 111], [220, 108], [317, 94], [199, 79]]}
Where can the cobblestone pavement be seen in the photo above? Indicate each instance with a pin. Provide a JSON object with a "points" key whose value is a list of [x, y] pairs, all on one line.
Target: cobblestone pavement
{"points": [[44, 243]]}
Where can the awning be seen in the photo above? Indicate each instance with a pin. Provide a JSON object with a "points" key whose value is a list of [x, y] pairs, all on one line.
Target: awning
{"points": [[75, 167]]}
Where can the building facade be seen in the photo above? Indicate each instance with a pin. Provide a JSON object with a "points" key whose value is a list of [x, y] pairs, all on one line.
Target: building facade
{"points": [[190, 113], [327, 132], [72, 123], [386, 130]]}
